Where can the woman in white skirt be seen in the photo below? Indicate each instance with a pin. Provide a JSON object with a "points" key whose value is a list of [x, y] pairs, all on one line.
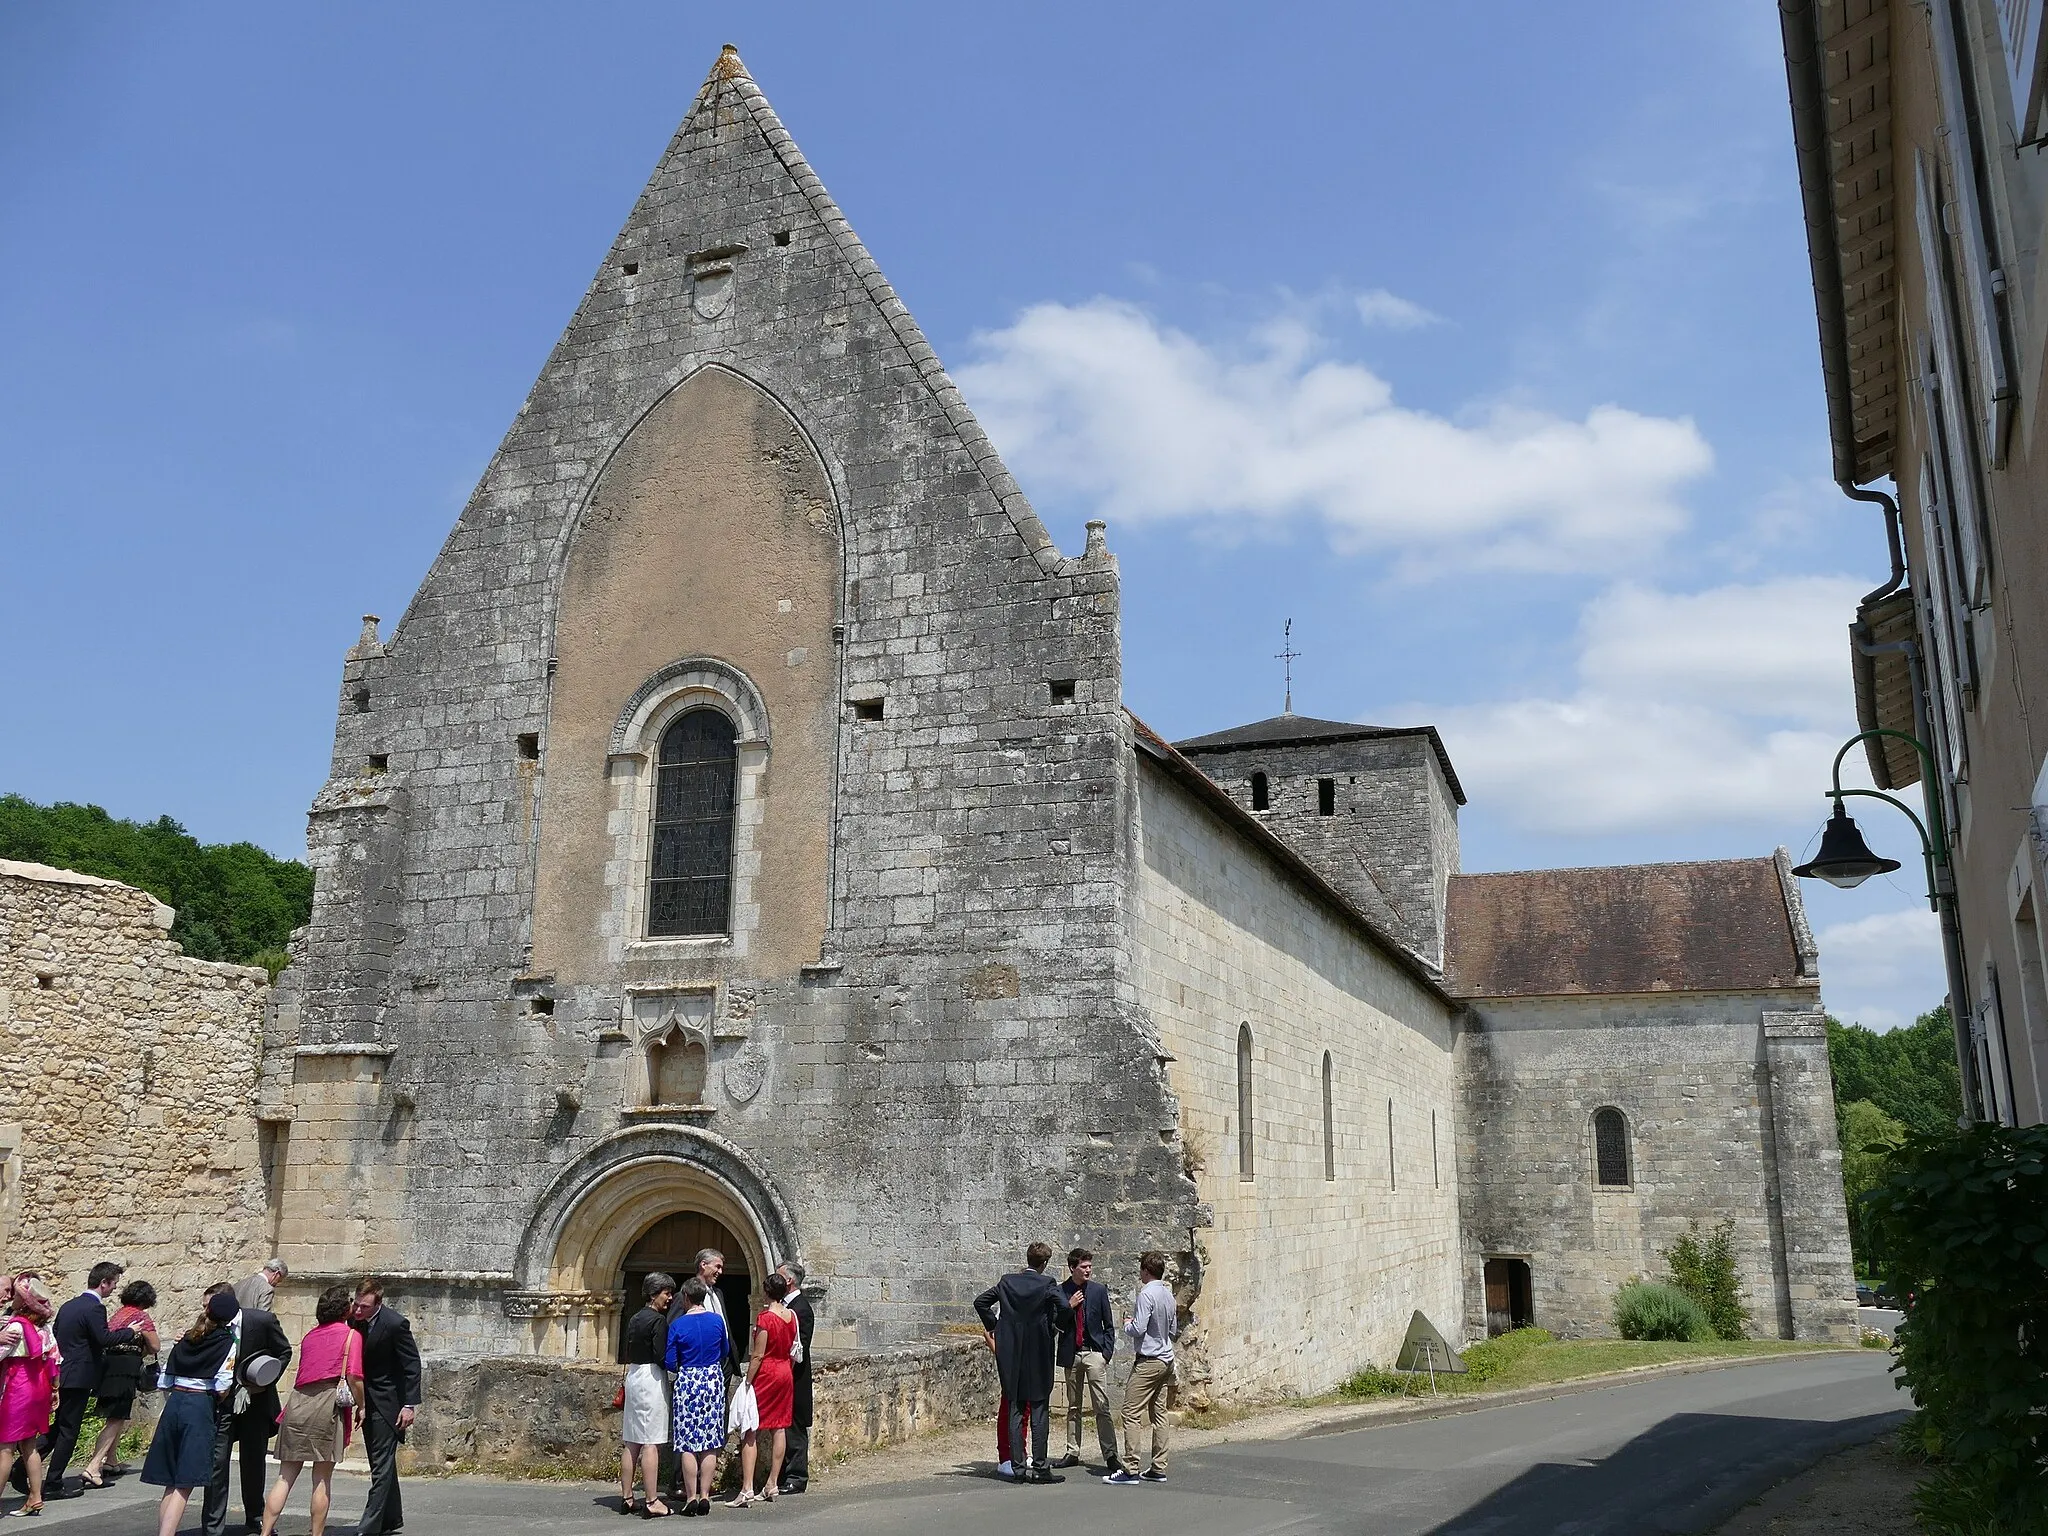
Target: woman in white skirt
{"points": [[645, 1399]]}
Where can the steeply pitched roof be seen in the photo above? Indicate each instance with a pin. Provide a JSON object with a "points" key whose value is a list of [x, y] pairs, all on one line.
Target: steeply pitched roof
{"points": [[1729, 925], [1249, 827], [1303, 730]]}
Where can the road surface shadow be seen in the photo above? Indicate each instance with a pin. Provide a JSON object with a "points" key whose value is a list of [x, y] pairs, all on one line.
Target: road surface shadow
{"points": [[1688, 1474]]}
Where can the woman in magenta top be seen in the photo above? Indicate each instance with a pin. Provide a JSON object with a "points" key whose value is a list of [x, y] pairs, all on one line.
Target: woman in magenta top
{"points": [[315, 1423], [27, 1384]]}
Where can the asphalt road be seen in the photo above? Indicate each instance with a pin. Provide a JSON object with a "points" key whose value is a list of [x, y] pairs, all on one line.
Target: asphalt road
{"points": [[1673, 1454]]}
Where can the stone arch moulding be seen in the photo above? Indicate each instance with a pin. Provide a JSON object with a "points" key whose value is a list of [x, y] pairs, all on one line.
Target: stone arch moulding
{"points": [[633, 731], [835, 477], [597, 1208]]}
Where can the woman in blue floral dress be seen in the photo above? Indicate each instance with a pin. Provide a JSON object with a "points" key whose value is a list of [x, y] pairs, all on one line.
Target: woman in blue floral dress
{"points": [[697, 1349]]}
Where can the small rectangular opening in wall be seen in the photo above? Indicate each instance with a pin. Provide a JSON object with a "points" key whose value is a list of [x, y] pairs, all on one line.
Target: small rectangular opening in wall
{"points": [[45, 981], [1326, 797], [361, 699], [1435, 1168], [867, 709], [529, 746], [542, 1006], [782, 237], [1260, 795], [1062, 689], [631, 268], [380, 762]]}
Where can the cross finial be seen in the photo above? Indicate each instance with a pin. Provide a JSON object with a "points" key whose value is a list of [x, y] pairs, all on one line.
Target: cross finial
{"points": [[1286, 657]]}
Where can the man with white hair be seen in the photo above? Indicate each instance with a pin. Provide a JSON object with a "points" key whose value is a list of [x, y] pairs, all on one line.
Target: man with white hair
{"points": [[256, 1293]]}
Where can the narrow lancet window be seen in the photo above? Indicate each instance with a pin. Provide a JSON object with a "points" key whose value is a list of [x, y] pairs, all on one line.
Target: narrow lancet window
{"points": [[1259, 793], [690, 887], [1329, 1122], [1610, 1147], [1244, 1101]]}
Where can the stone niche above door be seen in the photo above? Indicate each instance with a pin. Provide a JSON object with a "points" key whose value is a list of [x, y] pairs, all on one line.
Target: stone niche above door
{"points": [[684, 1046]]}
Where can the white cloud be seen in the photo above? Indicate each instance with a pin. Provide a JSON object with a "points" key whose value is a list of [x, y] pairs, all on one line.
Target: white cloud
{"points": [[1877, 971], [1717, 707], [1144, 422], [1380, 307]]}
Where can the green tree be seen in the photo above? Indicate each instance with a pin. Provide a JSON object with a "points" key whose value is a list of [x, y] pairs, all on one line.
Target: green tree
{"points": [[1870, 1137], [1704, 1268], [1909, 1074], [234, 901]]}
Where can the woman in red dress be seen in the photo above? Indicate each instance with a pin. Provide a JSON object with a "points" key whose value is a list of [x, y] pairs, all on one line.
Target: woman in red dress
{"points": [[774, 1389]]}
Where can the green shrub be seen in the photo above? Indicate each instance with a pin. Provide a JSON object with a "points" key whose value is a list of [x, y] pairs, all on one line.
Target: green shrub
{"points": [[1374, 1382], [1645, 1309], [1961, 1227], [1704, 1268], [1485, 1361]]}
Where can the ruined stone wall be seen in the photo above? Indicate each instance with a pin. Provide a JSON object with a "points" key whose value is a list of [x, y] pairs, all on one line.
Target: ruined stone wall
{"points": [[907, 1106], [127, 1126], [1306, 1278], [1705, 1106]]}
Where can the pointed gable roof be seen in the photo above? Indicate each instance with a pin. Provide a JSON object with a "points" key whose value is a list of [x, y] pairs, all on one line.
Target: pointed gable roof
{"points": [[729, 79]]}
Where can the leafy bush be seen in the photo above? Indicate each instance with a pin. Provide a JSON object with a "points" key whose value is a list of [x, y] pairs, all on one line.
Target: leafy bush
{"points": [[233, 900], [1869, 1138], [1485, 1361], [1704, 1268], [1644, 1309], [1962, 1227]]}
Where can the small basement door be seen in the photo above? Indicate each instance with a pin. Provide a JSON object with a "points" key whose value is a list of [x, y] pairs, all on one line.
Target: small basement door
{"points": [[1508, 1300]]}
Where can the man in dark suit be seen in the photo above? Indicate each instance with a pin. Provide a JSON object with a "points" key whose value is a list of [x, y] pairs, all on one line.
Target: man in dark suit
{"points": [[244, 1415], [1022, 1314], [82, 1339], [796, 1464], [1087, 1340], [391, 1383]]}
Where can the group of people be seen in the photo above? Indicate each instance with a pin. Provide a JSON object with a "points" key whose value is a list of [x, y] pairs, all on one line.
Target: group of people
{"points": [[357, 1367], [689, 1387], [1039, 1329]]}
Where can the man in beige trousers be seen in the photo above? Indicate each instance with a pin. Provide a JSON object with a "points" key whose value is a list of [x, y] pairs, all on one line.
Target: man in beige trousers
{"points": [[1154, 1324]]}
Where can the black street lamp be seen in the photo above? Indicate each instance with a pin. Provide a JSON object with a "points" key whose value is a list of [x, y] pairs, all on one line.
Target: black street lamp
{"points": [[1845, 860]]}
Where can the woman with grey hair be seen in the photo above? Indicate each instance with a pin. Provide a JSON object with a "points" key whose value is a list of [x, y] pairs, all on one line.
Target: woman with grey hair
{"points": [[645, 1398]]}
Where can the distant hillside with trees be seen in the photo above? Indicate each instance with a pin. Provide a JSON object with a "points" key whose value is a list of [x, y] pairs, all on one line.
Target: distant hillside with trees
{"points": [[234, 901]]}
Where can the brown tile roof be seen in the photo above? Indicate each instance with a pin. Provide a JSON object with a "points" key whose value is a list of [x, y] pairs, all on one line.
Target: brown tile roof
{"points": [[1723, 926]]}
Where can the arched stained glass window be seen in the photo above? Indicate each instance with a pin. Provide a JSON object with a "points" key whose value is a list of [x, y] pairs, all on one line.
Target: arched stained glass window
{"points": [[1244, 1101], [690, 883], [1610, 1147]]}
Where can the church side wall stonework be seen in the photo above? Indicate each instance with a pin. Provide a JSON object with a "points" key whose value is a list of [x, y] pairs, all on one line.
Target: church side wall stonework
{"points": [[126, 1133], [1305, 1278], [1705, 1108]]}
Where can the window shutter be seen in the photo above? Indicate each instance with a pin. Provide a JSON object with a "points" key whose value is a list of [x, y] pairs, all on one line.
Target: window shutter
{"points": [[1980, 281], [1945, 396], [2019, 28]]}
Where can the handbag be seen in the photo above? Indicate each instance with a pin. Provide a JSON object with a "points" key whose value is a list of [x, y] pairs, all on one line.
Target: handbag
{"points": [[344, 1399]]}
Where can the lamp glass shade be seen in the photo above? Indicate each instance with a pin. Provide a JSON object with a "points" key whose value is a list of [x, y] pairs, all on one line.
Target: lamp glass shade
{"points": [[1844, 858]]}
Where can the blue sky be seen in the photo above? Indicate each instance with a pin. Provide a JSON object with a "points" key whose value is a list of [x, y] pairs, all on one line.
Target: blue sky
{"points": [[1476, 339]]}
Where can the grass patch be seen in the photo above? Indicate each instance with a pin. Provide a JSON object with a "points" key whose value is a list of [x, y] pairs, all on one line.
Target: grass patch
{"points": [[1522, 1359]]}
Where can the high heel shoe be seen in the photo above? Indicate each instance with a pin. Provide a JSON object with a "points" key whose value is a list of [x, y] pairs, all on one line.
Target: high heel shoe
{"points": [[741, 1499]]}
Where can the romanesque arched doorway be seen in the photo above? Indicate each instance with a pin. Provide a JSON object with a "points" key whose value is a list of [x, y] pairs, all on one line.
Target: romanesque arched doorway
{"points": [[641, 1199], [671, 1245]]}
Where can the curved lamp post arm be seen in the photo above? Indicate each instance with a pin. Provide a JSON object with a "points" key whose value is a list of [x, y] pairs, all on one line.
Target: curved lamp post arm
{"points": [[1935, 843], [1927, 848]]}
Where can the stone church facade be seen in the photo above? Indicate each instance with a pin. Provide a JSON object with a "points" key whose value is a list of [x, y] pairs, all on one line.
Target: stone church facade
{"points": [[742, 838]]}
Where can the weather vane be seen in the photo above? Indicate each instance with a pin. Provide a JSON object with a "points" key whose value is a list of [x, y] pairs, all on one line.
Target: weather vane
{"points": [[1286, 656]]}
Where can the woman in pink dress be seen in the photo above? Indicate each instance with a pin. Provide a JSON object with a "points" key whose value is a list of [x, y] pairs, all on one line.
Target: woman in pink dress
{"points": [[28, 1380], [774, 1386]]}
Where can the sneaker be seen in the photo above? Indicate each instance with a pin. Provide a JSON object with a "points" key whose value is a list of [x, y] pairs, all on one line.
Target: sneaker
{"points": [[1122, 1478], [1151, 1476], [1005, 1469], [1071, 1459]]}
